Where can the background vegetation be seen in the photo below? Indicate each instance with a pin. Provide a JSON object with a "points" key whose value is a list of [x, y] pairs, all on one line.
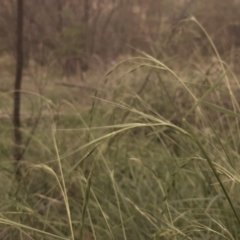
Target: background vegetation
{"points": [[130, 120]]}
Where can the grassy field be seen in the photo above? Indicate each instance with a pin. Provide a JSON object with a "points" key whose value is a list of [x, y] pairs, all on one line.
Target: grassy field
{"points": [[146, 150]]}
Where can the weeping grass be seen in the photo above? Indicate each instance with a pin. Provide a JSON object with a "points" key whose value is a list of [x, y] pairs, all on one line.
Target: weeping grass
{"points": [[155, 165]]}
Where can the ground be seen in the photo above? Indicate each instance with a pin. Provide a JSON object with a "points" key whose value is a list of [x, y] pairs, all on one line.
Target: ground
{"points": [[142, 151]]}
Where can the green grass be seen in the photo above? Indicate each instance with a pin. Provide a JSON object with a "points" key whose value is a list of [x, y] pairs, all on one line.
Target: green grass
{"points": [[115, 164]]}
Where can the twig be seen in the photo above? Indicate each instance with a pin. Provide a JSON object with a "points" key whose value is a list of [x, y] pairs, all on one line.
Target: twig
{"points": [[78, 86]]}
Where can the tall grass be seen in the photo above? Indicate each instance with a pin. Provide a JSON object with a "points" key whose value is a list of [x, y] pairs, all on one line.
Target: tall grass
{"points": [[161, 163]]}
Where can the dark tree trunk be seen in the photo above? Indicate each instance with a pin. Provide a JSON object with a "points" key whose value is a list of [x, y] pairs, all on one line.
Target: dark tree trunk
{"points": [[86, 13], [85, 55], [18, 80], [60, 20], [85, 22]]}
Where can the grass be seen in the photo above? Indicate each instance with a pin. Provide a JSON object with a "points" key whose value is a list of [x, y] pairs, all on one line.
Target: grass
{"points": [[116, 164]]}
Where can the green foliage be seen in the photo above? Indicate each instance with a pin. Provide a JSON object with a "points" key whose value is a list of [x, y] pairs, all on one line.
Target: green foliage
{"points": [[150, 150], [70, 42]]}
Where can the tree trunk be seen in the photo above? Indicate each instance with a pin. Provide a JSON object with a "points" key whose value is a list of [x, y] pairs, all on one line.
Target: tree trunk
{"points": [[17, 88], [60, 20]]}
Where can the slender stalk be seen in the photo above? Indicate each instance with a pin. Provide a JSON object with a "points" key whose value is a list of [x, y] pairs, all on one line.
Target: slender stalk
{"points": [[18, 81]]}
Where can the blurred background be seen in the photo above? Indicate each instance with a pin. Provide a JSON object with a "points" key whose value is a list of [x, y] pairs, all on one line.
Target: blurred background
{"points": [[69, 34]]}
